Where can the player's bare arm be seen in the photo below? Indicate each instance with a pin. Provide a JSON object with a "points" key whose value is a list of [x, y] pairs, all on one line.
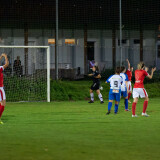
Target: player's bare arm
{"points": [[6, 61], [129, 65], [152, 71], [90, 75]]}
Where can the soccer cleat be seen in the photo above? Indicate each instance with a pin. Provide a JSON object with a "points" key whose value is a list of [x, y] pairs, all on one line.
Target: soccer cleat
{"points": [[102, 102], [145, 115], [134, 115], [91, 102], [127, 110], [108, 112], [115, 112], [1, 122]]}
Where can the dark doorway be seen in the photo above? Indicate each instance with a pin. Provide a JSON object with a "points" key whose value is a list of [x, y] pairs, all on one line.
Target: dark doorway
{"points": [[90, 51]]}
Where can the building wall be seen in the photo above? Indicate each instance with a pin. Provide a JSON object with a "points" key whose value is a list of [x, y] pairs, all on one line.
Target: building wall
{"points": [[73, 56]]}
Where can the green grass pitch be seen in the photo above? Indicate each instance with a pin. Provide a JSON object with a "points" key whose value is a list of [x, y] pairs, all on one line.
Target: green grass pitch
{"points": [[78, 131]]}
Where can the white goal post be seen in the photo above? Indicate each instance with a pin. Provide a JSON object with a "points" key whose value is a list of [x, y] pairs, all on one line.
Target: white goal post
{"points": [[48, 63]]}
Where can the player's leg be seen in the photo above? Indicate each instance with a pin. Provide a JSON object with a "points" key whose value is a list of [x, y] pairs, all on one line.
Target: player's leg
{"points": [[109, 107], [99, 95], [116, 107], [2, 103], [135, 101], [145, 104], [125, 94], [91, 95], [130, 91], [117, 100]]}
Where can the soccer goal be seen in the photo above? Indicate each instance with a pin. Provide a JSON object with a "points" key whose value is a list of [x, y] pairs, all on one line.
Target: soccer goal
{"points": [[27, 78]]}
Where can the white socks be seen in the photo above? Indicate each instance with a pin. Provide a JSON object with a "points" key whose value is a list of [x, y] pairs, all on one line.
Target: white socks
{"points": [[100, 97], [92, 96]]}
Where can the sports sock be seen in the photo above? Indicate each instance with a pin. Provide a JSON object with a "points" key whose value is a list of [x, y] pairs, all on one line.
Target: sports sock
{"points": [[145, 104], [134, 108], [129, 95], [109, 106], [126, 103], [116, 108], [92, 96], [1, 110], [100, 97]]}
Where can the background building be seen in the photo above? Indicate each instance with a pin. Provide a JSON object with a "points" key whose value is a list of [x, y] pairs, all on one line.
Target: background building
{"points": [[88, 30]]}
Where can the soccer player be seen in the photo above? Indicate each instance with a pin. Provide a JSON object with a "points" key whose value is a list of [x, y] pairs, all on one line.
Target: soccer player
{"points": [[129, 74], [115, 90], [139, 90], [96, 84], [2, 93], [124, 88]]}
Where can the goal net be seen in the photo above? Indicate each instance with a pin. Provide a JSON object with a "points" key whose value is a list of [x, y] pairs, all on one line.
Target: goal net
{"points": [[27, 78]]}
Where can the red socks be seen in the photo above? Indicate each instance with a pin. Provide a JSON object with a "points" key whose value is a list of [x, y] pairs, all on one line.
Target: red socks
{"points": [[129, 95], [1, 110], [134, 108], [145, 104]]}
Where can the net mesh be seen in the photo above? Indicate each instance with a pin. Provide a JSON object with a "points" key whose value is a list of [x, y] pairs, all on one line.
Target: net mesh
{"points": [[93, 28], [25, 79]]}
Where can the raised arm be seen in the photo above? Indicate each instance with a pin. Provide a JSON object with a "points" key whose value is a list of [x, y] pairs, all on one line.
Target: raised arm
{"points": [[6, 60], [152, 71], [129, 65]]}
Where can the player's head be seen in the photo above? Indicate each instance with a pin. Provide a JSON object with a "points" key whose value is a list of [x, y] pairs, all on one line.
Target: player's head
{"points": [[140, 65], [95, 68], [123, 69], [131, 69], [117, 70]]}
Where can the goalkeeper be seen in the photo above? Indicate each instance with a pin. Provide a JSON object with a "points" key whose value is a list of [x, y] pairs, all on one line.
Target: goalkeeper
{"points": [[2, 93], [96, 84]]}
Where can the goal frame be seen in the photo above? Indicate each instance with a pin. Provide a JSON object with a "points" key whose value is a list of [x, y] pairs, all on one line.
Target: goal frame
{"points": [[48, 64]]}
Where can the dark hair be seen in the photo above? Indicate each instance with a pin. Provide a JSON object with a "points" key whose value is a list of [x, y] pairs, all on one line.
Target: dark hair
{"points": [[123, 68], [118, 70]]}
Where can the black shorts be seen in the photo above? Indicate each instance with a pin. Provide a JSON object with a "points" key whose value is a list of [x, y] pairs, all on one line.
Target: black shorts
{"points": [[95, 86]]}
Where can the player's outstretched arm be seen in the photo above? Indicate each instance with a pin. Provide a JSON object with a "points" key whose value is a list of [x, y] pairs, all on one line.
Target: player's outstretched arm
{"points": [[6, 61], [152, 71], [129, 65], [90, 75]]}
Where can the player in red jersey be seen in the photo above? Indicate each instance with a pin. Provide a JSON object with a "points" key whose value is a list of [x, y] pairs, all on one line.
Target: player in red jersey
{"points": [[2, 93], [129, 74], [139, 90]]}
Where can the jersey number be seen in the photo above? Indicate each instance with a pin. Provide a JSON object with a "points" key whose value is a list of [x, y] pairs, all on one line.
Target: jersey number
{"points": [[116, 83]]}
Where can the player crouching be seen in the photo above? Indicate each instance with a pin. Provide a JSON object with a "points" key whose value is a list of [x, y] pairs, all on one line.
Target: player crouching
{"points": [[96, 84], [139, 90], [2, 93], [115, 90]]}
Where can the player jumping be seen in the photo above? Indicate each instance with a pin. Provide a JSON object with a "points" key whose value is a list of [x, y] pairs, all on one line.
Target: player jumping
{"points": [[96, 84], [115, 90], [2, 93], [139, 90], [129, 74], [124, 88]]}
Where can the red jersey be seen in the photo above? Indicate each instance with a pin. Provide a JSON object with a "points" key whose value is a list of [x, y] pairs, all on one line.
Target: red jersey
{"points": [[129, 74], [139, 78], [1, 76]]}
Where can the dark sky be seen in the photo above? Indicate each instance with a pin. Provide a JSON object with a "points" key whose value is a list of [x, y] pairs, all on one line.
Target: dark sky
{"points": [[94, 14]]}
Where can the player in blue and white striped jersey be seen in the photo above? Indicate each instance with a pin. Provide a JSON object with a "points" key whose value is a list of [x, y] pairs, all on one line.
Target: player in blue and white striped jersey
{"points": [[115, 90], [124, 88]]}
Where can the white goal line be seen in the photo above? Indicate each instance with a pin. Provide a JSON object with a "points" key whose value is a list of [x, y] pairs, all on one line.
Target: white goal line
{"points": [[48, 64]]}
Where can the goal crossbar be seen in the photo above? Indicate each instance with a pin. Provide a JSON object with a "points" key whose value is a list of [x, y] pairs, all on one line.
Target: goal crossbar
{"points": [[48, 64]]}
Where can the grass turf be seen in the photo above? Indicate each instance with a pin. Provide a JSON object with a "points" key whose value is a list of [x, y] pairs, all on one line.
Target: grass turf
{"points": [[78, 130]]}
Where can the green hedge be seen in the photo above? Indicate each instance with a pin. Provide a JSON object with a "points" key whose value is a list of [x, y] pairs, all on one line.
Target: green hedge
{"points": [[29, 89]]}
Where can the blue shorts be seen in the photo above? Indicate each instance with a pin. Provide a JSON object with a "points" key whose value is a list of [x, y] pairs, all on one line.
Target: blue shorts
{"points": [[115, 96], [124, 93]]}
